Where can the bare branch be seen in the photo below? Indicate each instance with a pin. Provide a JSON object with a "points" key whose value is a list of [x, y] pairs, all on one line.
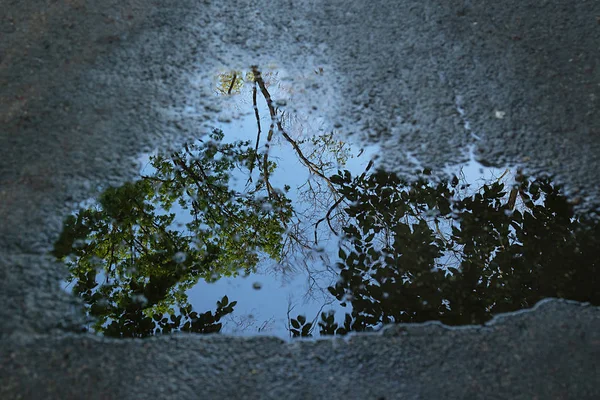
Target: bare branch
{"points": [[255, 105], [273, 112], [327, 217], [232, 83]]}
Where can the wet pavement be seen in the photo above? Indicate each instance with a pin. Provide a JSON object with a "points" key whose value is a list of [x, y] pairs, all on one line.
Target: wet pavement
{"points": [[87, 91], [273, 203]]}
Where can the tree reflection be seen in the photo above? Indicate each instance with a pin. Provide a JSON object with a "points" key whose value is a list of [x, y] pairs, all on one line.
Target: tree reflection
{"points": [[321, 154], [410, 251], [420, 251], [132, 267]]}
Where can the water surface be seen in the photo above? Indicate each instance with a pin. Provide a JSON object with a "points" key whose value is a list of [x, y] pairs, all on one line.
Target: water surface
{"points": [[271, 223]]}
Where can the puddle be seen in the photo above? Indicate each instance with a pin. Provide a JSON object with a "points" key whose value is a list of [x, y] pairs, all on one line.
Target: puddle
{"points": [[271, 223]]}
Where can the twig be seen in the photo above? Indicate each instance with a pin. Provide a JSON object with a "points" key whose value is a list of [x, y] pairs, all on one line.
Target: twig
{"points": [[232, 83], [326, 217], [289, 310], [255, 105]]}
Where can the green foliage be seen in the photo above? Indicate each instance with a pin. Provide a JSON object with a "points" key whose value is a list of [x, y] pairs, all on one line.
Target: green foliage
{"points": [[327, 151], [131, 265], [232, 82]]}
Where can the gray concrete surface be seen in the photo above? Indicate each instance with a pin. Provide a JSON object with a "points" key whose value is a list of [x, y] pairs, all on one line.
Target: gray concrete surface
{"points": [[532, 355], [86, 86]]}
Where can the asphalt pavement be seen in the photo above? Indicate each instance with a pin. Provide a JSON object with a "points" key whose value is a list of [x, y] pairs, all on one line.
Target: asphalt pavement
{"points": [[87, 86]]}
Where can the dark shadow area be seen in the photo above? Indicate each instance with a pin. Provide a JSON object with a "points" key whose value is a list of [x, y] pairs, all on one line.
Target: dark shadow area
{"points": [[420, 251]]}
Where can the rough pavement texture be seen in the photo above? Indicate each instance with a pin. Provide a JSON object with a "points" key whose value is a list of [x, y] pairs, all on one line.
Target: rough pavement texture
{"points": [[86, 86], [530, 355], [524, 76]]}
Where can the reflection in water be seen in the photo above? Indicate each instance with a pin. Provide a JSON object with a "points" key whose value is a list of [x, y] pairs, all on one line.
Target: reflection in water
{"points": [[148, 265], [421, 251], [408, 251]]}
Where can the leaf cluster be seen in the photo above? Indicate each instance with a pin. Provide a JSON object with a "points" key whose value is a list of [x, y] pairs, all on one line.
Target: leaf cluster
{"points": [[418, 251], [130, 262]]}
